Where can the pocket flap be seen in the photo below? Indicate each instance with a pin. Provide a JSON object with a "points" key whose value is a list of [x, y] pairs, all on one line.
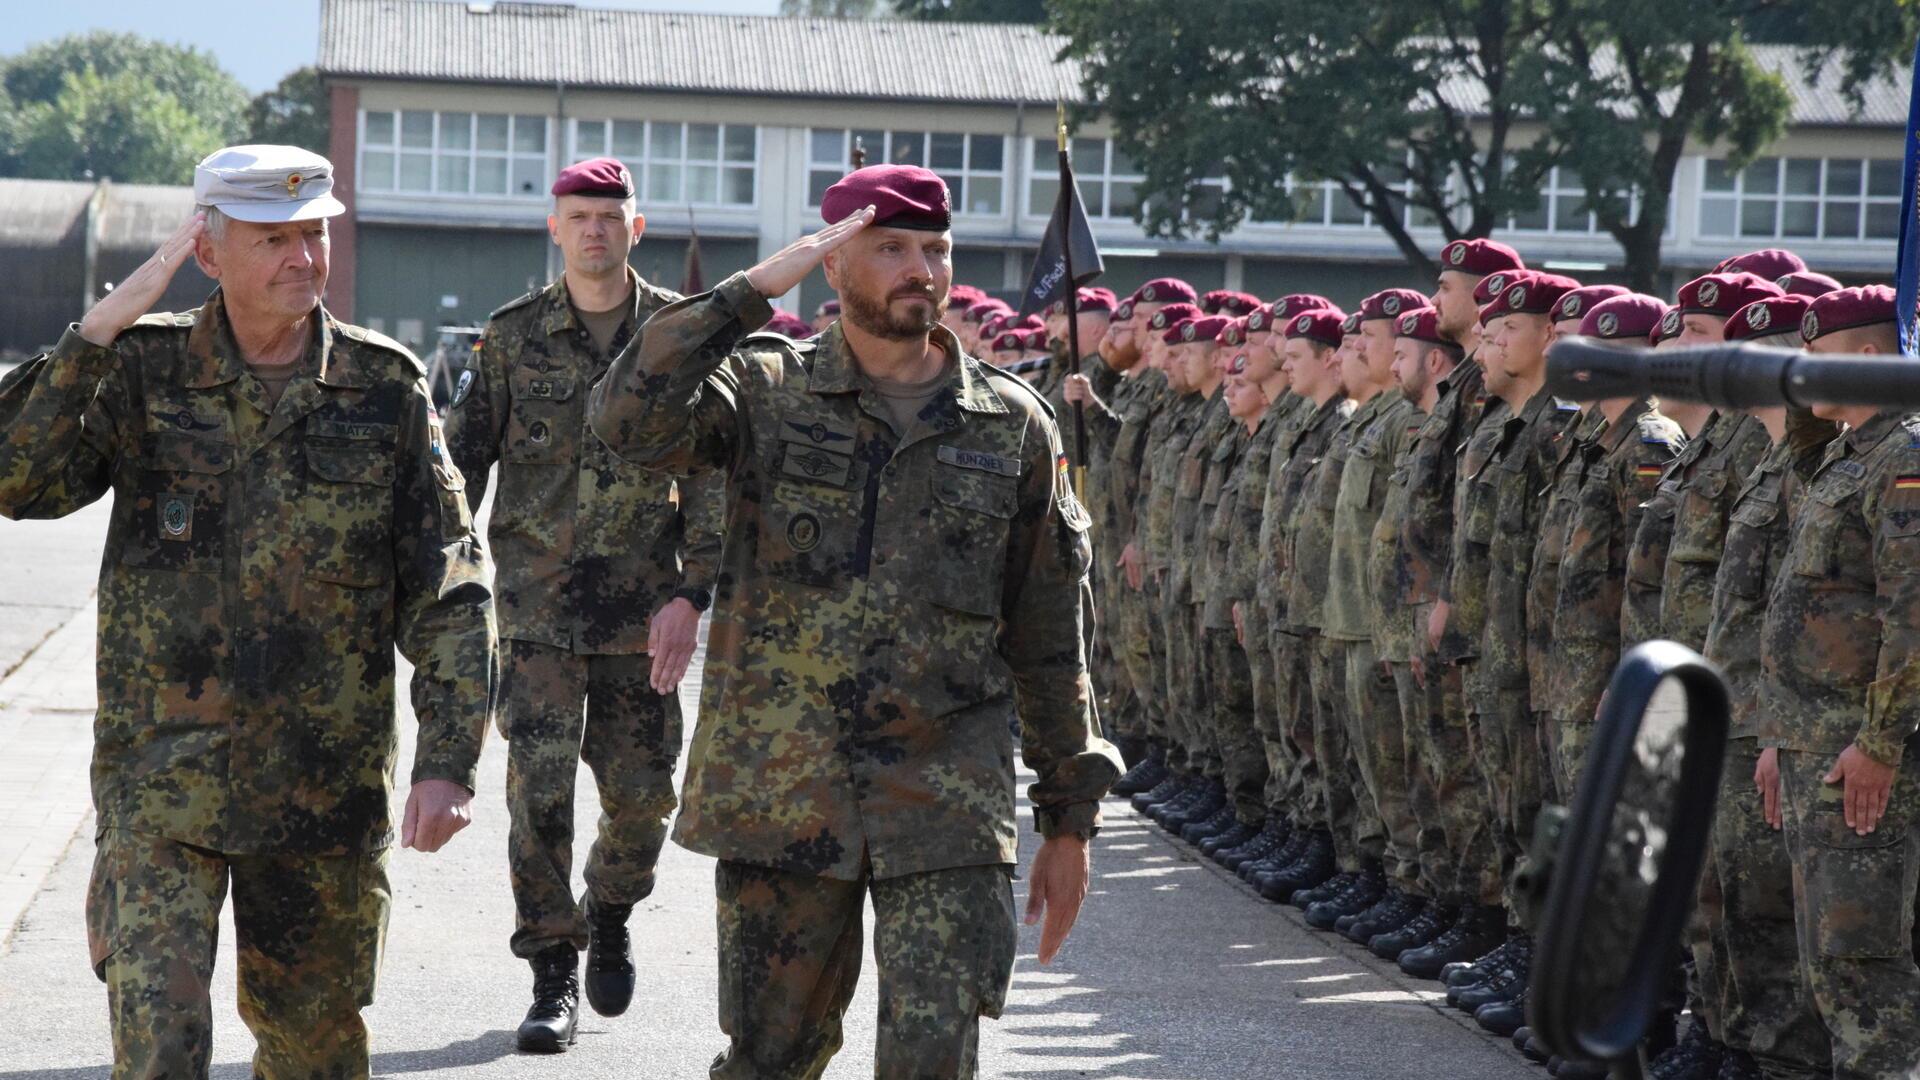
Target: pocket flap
{"points": [[982, 492], [184, 453], [350, 464], [1830, 830]]}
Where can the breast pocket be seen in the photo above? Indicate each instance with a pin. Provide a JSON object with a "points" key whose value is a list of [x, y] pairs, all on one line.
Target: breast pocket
{"points": [[179, 508], [348, 518], [972, 515], [1817, 531], [1700, 528], [544, 422], [810, 533], [1647, 556], [1750, 531]]}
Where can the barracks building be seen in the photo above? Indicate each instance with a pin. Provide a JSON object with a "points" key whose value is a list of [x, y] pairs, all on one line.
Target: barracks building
{"points": [[450, 120]]}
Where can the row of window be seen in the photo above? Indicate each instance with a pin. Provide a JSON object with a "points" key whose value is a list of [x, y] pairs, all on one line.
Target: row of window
{"points": [[717, 165]]}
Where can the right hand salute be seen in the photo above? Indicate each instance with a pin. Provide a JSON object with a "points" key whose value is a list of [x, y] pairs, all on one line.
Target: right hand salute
{"points": [[780, 272], [143, 288]]}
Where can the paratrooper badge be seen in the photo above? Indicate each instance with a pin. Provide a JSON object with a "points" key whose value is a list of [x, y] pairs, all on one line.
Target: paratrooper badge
{"points": [[1570, 307], [1810, 327], [1516, 297], [1303, 324], [1457, 254], [1186, 332], [1148, 294], [1390, 305], [1608, 324], [1708, 294], [1759, 317], [1670, 323], [1496, 283]]}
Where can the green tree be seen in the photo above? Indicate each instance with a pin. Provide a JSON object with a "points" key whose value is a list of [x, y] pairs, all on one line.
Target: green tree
{"points": [[120, 127], [188, 75], [1446, 113], [294, 113], [1011, 11]]}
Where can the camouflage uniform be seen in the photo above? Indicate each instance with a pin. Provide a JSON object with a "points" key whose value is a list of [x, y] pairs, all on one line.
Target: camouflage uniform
{"points": [[1619, 470], [1839, 651], [887, 605], [1358, 836], [1448, 795], [1236, 531], [1543, 580], [1109, 679], [1171, 640], [1511, 756], [1139, 403], [587, 547], [1383, 429], [262, 563], [1752, 973], [1293, 785], [1228, 680], [1186, 651], [1464, 589]]}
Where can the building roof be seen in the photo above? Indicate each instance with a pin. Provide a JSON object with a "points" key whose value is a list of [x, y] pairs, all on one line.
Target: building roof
{"points": [[543, 43]]}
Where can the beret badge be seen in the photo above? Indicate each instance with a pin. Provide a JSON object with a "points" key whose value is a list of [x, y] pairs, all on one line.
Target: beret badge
{"points": [[1391, 305], [1496, 283], [1608, 324], [1147, 294], [1810, 327], [293, 185], [1759, 317], [1409, 324], [1517, 296], [1304, 322], [1186, 332], [1708, 294], [1570, 306], [1670, 323], [1457, 254]]}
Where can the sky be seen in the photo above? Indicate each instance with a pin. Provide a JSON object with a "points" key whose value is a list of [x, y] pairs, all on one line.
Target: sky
{"points": [[257, 40]]}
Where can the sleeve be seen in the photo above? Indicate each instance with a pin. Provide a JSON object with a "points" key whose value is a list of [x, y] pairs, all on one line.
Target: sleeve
{"points": [[703, 499], [477, 418], [1893, 698], [1048, 606], [444, 602], [671, 400], [58, 430]]}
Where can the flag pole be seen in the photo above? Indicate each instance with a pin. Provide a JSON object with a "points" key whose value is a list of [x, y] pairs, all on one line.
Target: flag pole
{"points": [[1073, 304]]}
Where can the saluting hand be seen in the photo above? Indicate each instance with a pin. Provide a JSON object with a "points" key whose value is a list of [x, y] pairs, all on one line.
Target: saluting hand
{"points": [[778, 273], [143, 288]]}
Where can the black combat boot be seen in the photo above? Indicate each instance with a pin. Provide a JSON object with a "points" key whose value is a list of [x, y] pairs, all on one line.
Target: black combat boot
{"points": [[1503, 1018], [610, 974], [1166, 789], [1433, 919], [1273, 835], [1218, 822], [1695, 1057], [1579, 1070], [1273, 862], [1334, 886], [1530, 1048], [550, 1024], [1310, 868], [1397, 910], [1240, 832], [1475, 933], [1366, 891], [1502, 983], [1737, 1065], [1208, 803], [1192, 788], [1142, 777]]}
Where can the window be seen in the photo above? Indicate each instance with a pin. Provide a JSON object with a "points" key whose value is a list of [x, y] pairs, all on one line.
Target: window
{"points": [[1109, 181], [974, 166], [453, 153], [1788, 198], [678, 164], [1562, 207]]}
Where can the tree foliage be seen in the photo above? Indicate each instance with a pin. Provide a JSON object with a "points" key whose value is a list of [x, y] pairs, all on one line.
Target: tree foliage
{"points": [[1448, 113], [295, 112], [115, 105]]}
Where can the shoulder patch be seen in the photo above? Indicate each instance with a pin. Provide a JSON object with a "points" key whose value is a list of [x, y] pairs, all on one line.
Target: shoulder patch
{"points": [[1025, 387], [519, 301], [164, 320]]}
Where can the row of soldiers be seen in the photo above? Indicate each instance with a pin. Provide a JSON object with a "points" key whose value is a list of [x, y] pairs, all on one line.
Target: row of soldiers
{"points": [[1363, 580]]}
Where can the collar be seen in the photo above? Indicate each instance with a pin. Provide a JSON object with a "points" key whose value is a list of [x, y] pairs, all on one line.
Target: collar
{"points": [[559, 316], [216, 358], [1869, 434], [833, 371], [1629, 423]]}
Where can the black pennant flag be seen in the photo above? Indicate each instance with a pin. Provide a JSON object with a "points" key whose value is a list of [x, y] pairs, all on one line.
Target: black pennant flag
{"points": [[1068, 234]]}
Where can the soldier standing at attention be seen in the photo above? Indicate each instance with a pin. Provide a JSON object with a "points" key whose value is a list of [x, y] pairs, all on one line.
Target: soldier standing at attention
{"points": [[1840, 673], [285, 514], [595, 604], [905, 573]]}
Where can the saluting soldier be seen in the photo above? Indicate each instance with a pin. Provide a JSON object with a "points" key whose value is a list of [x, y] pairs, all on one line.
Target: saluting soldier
{"points": [[905, 574], [1746, 893], [1840, 673], [603, 569], [285, 513]]}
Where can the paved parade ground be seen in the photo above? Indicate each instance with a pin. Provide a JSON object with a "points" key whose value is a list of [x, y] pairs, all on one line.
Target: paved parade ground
{"points": [[1176, 970]]}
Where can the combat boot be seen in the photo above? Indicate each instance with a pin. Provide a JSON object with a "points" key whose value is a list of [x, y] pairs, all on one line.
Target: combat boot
{"points": [[1192, 787], [1309, 869], [1433, 919], [610, 974], [1216, 823], [1252, 870], [1503, 1018], [550, 1026], [1504, 983], [1272, 836], [1240, 832], [1481, 967], [1366, 891], [1475, 933], [1326, 890], [1144, 776], [1562, 1069], [1695, 1057], [1395, 911], [1208, 803], [1159, 792], [1530, 1048], [1737, 1065]]}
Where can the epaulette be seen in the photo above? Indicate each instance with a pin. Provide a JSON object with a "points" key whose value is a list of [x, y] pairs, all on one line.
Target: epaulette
{"points": [[516, 302], [167, 320], [1912, 424], [1027, 387], [770, 337], [379, 341]]}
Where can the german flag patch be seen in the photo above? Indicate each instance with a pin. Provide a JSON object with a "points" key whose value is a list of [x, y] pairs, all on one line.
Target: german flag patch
{"points": [[1066, 474], [1649, 472], [1910, 482]]}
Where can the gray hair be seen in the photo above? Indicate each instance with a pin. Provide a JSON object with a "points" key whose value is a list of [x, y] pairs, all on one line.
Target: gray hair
{"points": [[216, 220]]}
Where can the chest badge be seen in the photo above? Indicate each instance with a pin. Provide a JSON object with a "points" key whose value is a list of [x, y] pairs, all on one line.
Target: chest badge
{"points": [[803, 532], [818, 432], [176, 517]]}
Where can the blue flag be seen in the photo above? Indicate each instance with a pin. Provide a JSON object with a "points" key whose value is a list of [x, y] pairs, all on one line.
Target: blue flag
{"points": [[1907, 267]]}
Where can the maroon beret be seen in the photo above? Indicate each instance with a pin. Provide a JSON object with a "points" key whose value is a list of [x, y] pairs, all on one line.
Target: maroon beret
{"points": [[1325, 325], [1282, 311], [1166, 290], [1390, 303], [1094, 299], [1669, 326], [1235, 333], [1480, 257], [831, 307], [1168, 316], [902, 197], [1724, 294], [1769, 263], [1807, 283], [1845, 309], [602, 177], [1124, 312], [1767, 317], [981, 311], [1629, 316], [1203, 330], [1534, 294], [1421, 324], [1351, 324], [1577, 303], [962, 297], [1496, 283], [1228, 302], [1011, 341], [789, 324]]}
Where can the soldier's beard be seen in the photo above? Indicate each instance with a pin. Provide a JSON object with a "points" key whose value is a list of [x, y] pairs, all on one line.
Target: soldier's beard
{"points": [[876, 317]]}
